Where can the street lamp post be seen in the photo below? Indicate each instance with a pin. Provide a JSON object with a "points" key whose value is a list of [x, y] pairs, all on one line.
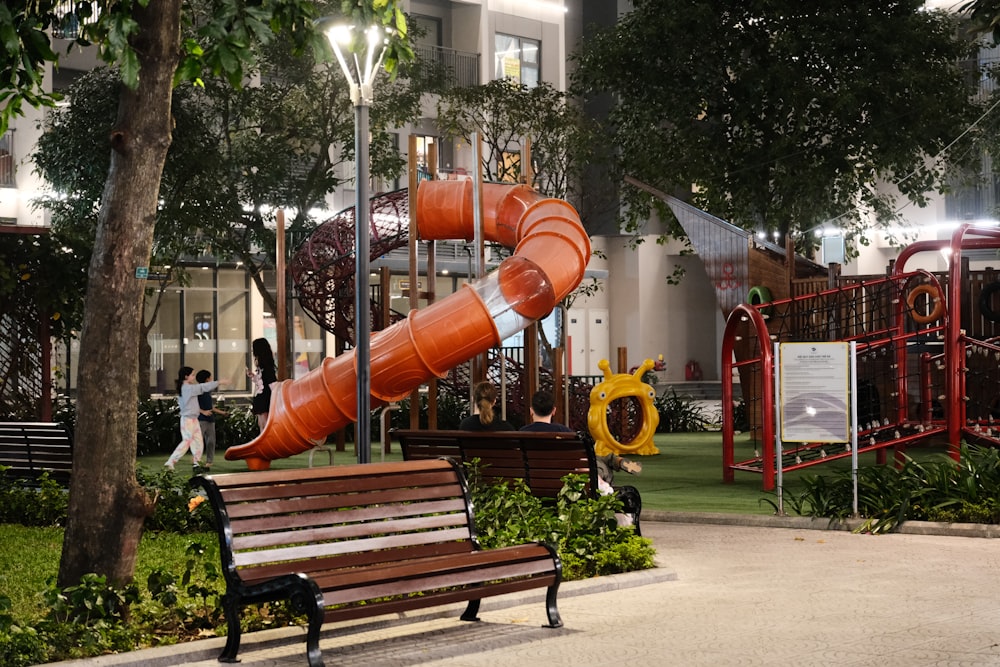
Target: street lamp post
{"points": [[361, 79]]}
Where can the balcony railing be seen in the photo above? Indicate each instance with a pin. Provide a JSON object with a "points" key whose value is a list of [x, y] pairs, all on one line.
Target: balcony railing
{"points": [[7, 160], [462, 66]]}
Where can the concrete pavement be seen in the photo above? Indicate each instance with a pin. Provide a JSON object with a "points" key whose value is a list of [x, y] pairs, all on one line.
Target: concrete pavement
{"points": [[736, 592]]}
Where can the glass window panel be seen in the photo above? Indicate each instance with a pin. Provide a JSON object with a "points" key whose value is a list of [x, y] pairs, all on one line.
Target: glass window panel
{"points": [[529, 51], [232, 279], [529, 76], [202, 276], [233, 338], [165, 341], [508, 57]]}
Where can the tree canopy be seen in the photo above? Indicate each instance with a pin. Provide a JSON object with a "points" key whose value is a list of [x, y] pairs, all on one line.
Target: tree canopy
{"points": [[509, 115], [782, 116]]}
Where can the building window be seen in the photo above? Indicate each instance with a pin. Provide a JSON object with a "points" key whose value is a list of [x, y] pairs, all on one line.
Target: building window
{"points": [[7, 161], [517, 59]]}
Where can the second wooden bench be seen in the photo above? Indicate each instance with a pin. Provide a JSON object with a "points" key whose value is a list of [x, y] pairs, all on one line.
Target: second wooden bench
{"points": [[28, 449], [541, 459]]}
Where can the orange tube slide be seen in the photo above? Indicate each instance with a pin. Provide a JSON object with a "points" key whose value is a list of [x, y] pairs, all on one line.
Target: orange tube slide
{"points": [[551, 251]]}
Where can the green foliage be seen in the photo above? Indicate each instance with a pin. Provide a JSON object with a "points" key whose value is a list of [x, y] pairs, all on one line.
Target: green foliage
{"points": [[584, 531], [40, 276], [172, 495], [30, 505], [679, 414], [158, 426], [786, 114], [88, 618], [939, 489], [506, 114], [46, 503], [94, 618], [450, 411]]}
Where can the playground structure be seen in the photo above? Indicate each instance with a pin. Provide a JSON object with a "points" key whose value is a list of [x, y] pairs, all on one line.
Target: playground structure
{"points": [[928, 344], [928, 357], [617, 387], [551, 251]]}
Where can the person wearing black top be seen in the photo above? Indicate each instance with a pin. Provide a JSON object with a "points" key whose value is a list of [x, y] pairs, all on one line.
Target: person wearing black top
{"points": [[484, 418], [263, 376]]}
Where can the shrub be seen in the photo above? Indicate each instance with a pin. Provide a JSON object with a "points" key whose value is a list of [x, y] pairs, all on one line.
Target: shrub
{"points": [[679, 414], [172, 496], [28, 505], [584, 530], [939, 489]]}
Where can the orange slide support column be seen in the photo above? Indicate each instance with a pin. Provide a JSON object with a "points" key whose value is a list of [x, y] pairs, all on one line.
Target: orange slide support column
{"points": [[551, 251]]}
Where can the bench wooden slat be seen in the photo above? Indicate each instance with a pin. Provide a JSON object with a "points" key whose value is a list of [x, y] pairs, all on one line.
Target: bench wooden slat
{"points": [[348, 591], [438, 598], [351, 541], [260, 521], [429, 527]]}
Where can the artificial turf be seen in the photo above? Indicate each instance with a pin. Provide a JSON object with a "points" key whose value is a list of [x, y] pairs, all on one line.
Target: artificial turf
{"points": [[686, 475]]}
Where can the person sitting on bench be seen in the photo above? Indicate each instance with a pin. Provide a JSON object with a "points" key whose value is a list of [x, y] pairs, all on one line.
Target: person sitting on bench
{"points": [[543, 407]]}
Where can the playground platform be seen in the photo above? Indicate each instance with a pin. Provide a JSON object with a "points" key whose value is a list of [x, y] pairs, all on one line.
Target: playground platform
{"points": [[741, 590]]}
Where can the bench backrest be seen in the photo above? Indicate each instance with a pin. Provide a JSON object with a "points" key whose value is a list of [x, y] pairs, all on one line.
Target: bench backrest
{"points": [[541, 459], [28, 448], [315, 519]]}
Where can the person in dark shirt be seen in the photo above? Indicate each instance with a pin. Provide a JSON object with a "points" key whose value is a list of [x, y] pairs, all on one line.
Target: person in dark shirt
{"points": [[543, 407], [485, 418], [206, 418]]}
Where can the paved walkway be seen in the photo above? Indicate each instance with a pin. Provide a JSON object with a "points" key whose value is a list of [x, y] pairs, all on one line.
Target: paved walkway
{"points": [[725, 595]]}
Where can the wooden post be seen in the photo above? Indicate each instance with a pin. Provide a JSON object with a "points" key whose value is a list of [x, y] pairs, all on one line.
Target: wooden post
{"points": [[558, 392], [384, 285], [281, 316]]}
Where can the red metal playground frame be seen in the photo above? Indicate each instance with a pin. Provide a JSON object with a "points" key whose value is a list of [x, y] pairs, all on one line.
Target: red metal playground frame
{"points": [[918, 360]]}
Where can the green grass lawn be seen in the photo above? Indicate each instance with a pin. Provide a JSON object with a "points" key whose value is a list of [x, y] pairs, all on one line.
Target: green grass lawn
{"points": [[685, 476]]}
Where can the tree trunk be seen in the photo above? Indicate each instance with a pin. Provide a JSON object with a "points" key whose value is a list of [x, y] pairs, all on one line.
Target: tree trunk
{"points": [[107, 507]]}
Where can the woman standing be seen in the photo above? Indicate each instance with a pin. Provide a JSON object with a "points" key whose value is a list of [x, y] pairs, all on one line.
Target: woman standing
{"points": [[263, 375], [188, 391]]}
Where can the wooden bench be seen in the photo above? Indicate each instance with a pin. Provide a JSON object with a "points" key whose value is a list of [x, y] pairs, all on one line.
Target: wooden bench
{"points": [[349, 542], [27, 449], [541, 459]]}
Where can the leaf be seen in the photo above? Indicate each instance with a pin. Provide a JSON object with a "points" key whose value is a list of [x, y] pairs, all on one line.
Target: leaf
{"points": [[129, 64]]}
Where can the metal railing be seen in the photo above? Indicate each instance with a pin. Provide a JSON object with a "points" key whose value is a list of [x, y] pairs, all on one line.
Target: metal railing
{"points": [[462, 65]]}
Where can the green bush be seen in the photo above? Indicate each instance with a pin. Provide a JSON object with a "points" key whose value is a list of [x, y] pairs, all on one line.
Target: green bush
{"points": [[29, 505], [46, 504], [939, 489], [450, 411], [679, 414], [584, 530], [158, 426]]}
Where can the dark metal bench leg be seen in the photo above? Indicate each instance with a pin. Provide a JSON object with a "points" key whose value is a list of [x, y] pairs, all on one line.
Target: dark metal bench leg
{"points": [[313, 653], [551, 610], [231, 606], [471, 611]]}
